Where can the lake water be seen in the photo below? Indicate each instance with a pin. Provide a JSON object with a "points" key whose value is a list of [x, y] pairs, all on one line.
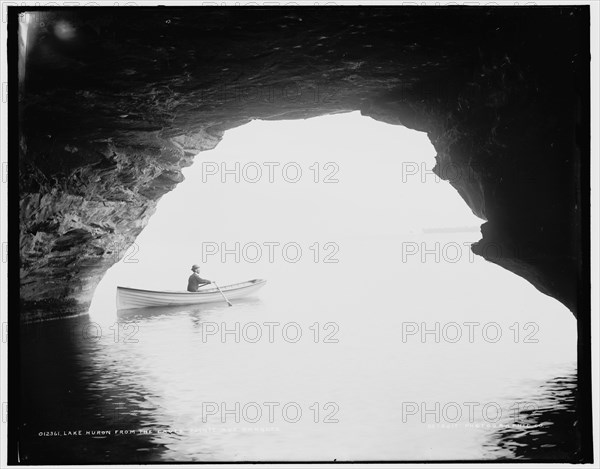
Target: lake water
{"points": [[406, 348], [341, 370]]}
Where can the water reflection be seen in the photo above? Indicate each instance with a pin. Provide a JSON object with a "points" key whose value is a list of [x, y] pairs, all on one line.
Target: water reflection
{"points": [[146, 390], [546, 428], [155, 370], [77, 403]]}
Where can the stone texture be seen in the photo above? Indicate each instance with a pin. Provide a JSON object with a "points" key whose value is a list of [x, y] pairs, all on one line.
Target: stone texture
{"points": [[114, 102]]}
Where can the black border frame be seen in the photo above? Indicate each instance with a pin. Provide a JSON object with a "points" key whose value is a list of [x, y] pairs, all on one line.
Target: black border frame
{"points": [[584, 332]]}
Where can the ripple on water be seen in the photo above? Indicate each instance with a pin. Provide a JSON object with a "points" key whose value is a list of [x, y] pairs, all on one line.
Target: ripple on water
{"points": [[545, 431]]}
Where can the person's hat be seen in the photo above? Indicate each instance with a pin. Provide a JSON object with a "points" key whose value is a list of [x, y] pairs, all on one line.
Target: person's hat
{"points": [[195, 266]]}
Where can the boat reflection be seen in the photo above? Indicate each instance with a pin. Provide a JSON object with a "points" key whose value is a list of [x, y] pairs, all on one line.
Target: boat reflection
{"points": [[193, 310]]}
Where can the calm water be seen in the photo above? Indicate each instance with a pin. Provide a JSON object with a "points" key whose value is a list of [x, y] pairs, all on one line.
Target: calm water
{"points": [[164, 384]]}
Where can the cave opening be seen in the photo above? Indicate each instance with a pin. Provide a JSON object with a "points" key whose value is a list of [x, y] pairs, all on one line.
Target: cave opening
{"points": [[302, 203], [367, 254]]}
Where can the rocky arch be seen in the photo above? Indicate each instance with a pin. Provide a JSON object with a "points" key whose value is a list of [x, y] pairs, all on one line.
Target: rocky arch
{"points": [[113, 103]]}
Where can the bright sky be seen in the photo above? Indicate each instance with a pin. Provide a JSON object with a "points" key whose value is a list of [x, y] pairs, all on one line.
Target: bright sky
{"points": [[380, 187], [358, 164], [355, 177]]}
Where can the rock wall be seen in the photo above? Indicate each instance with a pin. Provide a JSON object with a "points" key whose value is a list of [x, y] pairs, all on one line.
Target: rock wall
{"points": [[114, 102]]}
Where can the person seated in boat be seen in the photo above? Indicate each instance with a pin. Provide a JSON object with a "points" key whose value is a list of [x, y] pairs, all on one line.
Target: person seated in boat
{"points": [[195, 281]]}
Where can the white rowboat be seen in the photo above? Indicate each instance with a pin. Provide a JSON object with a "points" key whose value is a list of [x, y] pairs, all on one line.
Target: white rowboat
{"points": [[130, 298]]}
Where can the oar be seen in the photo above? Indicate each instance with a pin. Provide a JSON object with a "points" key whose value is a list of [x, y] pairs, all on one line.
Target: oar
{"points": [[228, 302]]}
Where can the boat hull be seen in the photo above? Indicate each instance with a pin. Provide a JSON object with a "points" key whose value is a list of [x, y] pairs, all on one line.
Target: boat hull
{"points": [[132, 298]]}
